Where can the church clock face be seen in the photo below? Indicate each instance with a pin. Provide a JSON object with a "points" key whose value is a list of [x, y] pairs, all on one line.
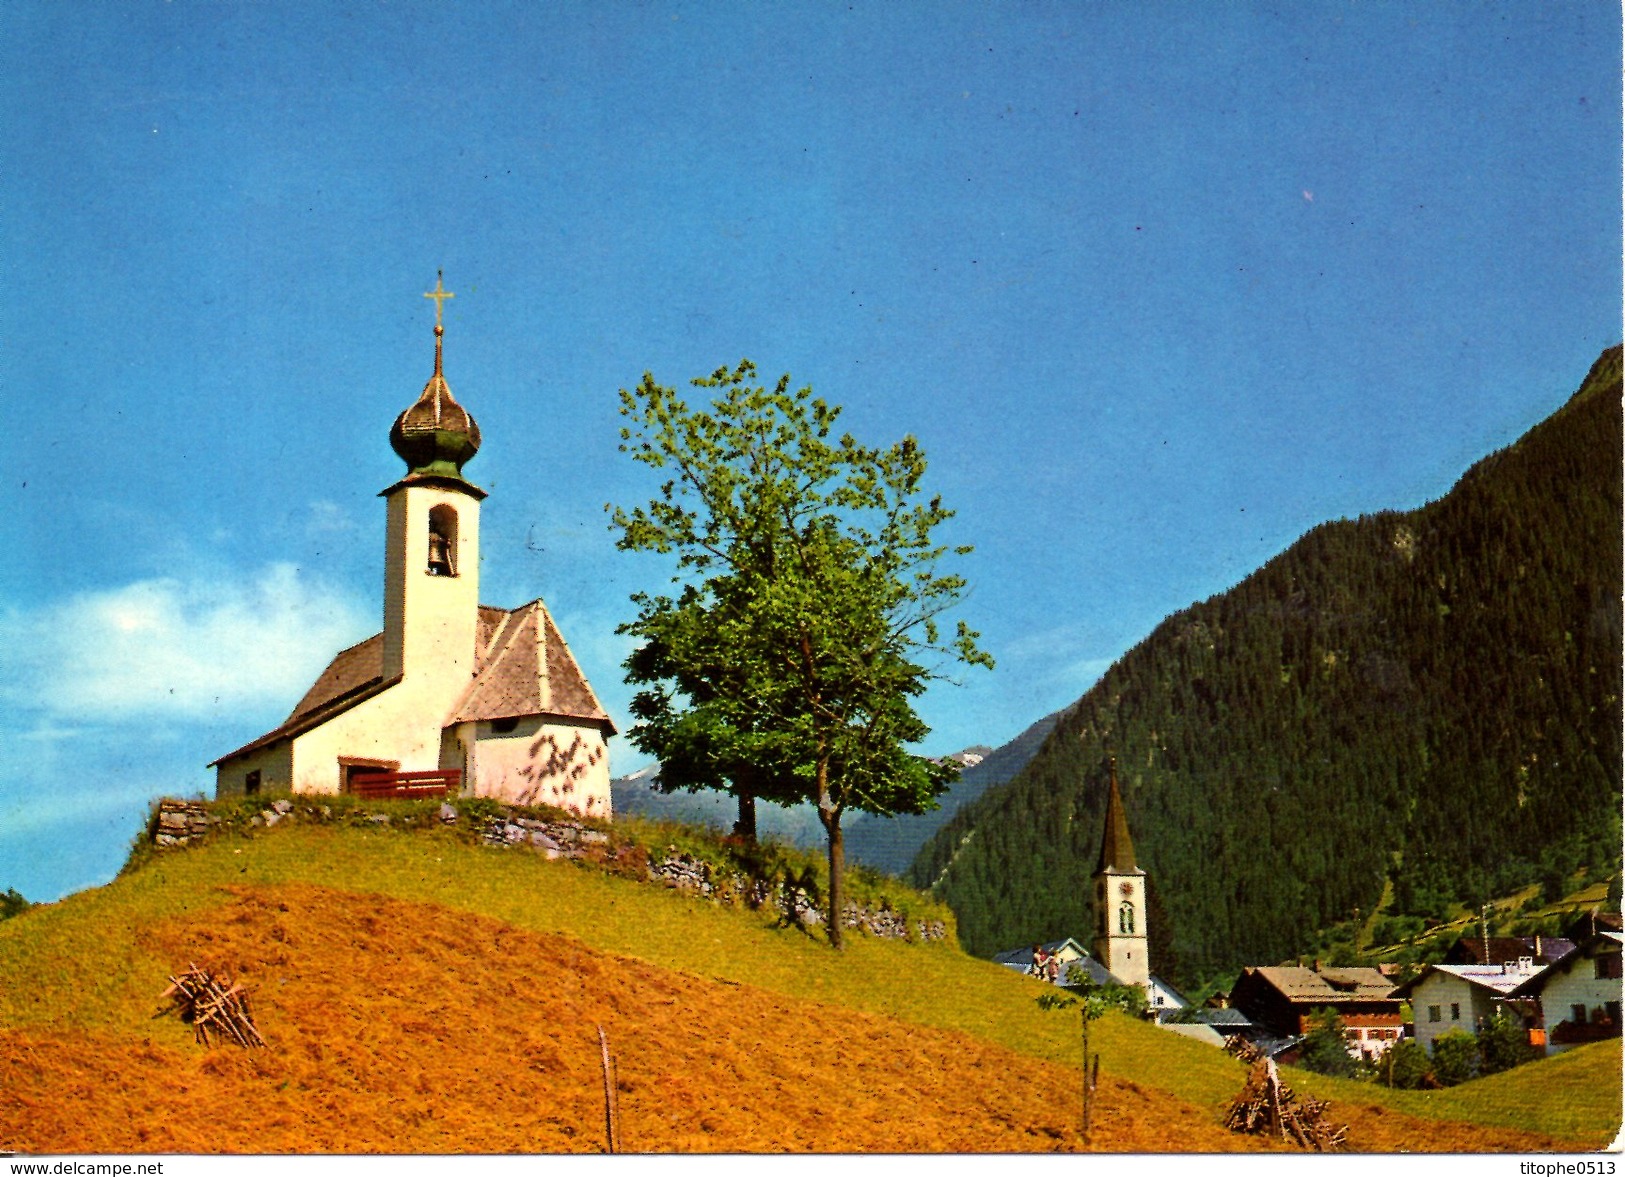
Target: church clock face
{"points": [[1126, 888]]}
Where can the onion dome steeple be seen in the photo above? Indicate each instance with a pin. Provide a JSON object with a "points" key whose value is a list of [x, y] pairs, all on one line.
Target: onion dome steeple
{"points": [[436, 435]]}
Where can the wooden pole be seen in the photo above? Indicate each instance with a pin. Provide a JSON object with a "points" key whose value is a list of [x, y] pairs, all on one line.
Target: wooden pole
{"points": [[1274, 1086], [615, 1098], [609, 1096], [1088, 1089]]}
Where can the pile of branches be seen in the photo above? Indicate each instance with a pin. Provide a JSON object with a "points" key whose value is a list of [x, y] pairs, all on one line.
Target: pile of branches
{"points": [[1238, 1047], [210, 1002], [1267, 1105]]}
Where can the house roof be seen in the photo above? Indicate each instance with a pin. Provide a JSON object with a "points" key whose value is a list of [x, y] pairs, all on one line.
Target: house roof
{"points": [[1586, 948], [1326, 987], [1589, 923], [1196, 1030], [1232, 1019], [1470, 949], [522, 667], [1496, 978], [1023, 956]]}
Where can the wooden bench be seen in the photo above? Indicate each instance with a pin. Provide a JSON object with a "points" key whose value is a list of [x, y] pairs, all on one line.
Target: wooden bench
{"points": [[380, 785]]}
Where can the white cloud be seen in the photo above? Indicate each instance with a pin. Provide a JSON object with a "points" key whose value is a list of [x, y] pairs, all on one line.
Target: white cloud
{"points": [[174, 648], [328, 518]]}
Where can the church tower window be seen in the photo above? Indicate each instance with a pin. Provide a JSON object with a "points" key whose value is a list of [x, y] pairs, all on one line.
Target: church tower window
{"points": [[442, 541], [1125, 918]]}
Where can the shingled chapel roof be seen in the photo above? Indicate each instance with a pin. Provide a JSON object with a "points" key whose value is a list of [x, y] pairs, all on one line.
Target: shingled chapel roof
{"points": [[525, 668]]}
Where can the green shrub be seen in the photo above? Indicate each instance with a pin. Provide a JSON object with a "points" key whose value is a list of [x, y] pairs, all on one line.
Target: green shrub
{"points": [[12, 903], [1128, 998], [1455, 1057], [1503, 1043], [1406, 1065]]}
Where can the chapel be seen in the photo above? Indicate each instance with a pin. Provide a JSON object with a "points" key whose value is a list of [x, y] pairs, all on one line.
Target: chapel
{"points": [[487, 701]]}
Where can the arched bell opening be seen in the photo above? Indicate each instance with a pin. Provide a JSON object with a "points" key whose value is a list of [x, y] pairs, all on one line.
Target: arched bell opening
{"points": [[442, 541]]}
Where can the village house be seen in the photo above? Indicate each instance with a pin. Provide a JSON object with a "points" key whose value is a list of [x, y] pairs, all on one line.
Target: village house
{"points": [[1447, 997], [1035, 960], [1282, 999], [451, 693], [1579, 996]]}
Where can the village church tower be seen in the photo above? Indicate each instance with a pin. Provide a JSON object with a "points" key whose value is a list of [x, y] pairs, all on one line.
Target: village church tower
{"points": [[1120, 909]]}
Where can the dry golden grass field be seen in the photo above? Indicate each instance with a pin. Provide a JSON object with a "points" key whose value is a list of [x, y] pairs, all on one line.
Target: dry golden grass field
{"points": [[421, 994]]}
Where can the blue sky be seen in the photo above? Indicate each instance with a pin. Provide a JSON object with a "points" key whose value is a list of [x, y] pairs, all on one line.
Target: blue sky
{"points": [[1158, 286]]}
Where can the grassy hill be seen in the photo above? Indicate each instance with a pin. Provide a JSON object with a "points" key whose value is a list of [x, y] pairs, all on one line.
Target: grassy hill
{"points": [[420, 992], [1420, 709]]}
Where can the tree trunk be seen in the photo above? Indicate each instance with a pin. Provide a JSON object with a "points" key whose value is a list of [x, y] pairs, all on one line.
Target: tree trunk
{"points": [[745, 827], [830, 815]]}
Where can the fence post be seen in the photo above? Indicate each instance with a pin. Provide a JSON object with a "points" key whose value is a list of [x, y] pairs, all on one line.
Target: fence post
{"points": [[609, 1094]]}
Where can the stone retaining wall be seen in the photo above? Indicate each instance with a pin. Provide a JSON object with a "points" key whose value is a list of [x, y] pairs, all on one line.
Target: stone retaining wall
{"points": [[182, 823]]}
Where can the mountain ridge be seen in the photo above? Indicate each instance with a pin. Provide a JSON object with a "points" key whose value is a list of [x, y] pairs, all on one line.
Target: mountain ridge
{"points": [[1348, 716], [885, 843]]}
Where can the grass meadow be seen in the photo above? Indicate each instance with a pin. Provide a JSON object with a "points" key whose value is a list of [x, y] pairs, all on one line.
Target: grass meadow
{"points": [[292, 907]]}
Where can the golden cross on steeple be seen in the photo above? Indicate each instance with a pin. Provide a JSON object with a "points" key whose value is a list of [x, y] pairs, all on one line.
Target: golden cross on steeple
{"points": [[440, 294]]}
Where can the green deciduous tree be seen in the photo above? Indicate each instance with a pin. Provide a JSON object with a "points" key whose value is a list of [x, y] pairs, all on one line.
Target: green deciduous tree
{"points": [[806, 607]]}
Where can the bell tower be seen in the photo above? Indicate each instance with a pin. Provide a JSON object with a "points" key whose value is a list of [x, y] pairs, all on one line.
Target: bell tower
{"points": [[1120, 910], [432, 544]]}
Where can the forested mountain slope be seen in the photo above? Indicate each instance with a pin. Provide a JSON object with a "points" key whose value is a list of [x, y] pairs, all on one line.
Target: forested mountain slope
{"points": [[1429, 696]]}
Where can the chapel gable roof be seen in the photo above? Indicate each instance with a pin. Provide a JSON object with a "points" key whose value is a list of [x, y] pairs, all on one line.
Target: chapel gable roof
{"points": [[350, 670], [525, 668], [355, 674]]}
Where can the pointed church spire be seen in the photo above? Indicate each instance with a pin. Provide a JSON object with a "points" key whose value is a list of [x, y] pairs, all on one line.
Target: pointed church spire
{"points": [[1116, 847]]}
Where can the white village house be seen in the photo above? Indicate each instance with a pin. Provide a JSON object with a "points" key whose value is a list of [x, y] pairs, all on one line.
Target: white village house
{"points": [[487, 701], [1447, 997], [1579, 994]]}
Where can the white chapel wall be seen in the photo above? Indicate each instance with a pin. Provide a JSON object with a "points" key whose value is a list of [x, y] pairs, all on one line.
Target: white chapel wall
{"points": [[274, 764], [543, 762], [400, 727]]}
